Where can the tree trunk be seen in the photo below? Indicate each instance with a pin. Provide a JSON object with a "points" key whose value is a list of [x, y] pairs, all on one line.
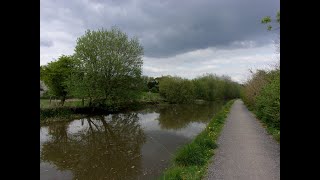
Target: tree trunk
{"points": [[90, 101], [63, 99], [50, 100], [82, 101]]}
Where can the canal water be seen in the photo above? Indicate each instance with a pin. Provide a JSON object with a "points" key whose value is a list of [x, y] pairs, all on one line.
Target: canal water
{"points": [[132, 145]]}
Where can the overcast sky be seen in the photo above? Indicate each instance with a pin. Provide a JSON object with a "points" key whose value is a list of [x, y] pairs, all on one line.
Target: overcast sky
{"points": [[184, 38]]}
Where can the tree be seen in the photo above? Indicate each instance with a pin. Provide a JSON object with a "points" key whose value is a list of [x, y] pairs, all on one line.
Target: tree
{"points": [[41, 71], [110, 64], [268, 20], [177, 90], [55, 75]]}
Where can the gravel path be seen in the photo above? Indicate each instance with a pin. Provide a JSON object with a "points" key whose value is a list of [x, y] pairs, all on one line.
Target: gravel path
{"points": [[245, 150]]}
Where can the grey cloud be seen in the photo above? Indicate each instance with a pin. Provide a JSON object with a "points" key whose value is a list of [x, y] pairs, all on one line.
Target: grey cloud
{"points": [[167, 28]]}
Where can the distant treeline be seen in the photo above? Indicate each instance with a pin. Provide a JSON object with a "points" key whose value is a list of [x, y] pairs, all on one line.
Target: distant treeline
{"points": [[208, 87], [106, 71]]}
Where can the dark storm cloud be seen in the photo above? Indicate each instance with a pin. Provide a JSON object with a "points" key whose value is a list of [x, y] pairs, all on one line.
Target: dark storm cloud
{"points": [[167, 28]]}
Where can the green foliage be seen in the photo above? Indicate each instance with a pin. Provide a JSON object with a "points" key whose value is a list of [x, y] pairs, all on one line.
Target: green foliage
{"points": [[278, 17], [191, 154], [145, 80], [191, 160], [41, 71], [175, 173], [262, 95], [150, 84], [151, 97], [55, 112], [55, 76], [253, 87], [45, 103], [108, 67], [268, 102], [205, 141], [154, 90], [209, 87], [183, 173], [268, 20], [153, 85], [177, 90]]}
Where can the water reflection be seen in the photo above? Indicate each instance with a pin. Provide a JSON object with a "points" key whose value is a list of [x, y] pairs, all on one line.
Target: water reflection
{"points": [[106, 147], [179, 116], [134, 145]]}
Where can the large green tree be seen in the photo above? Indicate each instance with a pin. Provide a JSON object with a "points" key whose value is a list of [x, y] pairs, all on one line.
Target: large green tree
{"points": [[55, 75], [108, 66]]}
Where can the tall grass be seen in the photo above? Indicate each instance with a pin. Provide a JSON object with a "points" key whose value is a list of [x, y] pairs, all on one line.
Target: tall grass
{"points": [[191, 160]]}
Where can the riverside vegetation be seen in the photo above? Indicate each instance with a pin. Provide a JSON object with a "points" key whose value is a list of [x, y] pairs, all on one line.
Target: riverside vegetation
{"points": [[105, 75], [261, 94]]}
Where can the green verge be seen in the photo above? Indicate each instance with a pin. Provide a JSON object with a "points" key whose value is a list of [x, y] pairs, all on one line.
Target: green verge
{"points": [[191, 160], [273, 131]]}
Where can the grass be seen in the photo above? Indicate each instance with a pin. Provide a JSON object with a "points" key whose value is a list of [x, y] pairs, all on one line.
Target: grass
{"points": [[45, 103], [274, 132], [191, 160], [151, 97], [146, 97], [58, 114]]}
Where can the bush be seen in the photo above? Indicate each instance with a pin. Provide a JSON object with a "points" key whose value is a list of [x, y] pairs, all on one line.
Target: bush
{"points": [[268, 103], [154, 90], [177, 90], [211, 87], [262, 95], [55, 112]]}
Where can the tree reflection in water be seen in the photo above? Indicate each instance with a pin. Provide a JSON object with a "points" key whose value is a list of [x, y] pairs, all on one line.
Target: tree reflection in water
{"points": [[179, 116], [107, 147]]}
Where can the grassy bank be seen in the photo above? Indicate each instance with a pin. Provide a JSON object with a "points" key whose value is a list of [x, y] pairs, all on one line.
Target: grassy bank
{"points": [[45, 103], [271, 129], [73, 108], [191, 160]]}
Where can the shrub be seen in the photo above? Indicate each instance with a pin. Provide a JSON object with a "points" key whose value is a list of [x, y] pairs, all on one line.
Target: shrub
{"points": [[177, 90], [261, 94], [268, 103]]}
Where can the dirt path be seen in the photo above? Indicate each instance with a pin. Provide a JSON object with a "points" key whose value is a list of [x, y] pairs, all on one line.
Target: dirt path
{"points": [[245, 150]]}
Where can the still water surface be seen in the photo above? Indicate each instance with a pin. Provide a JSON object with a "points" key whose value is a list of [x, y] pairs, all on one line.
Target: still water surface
{"points": [[131, 145]]}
